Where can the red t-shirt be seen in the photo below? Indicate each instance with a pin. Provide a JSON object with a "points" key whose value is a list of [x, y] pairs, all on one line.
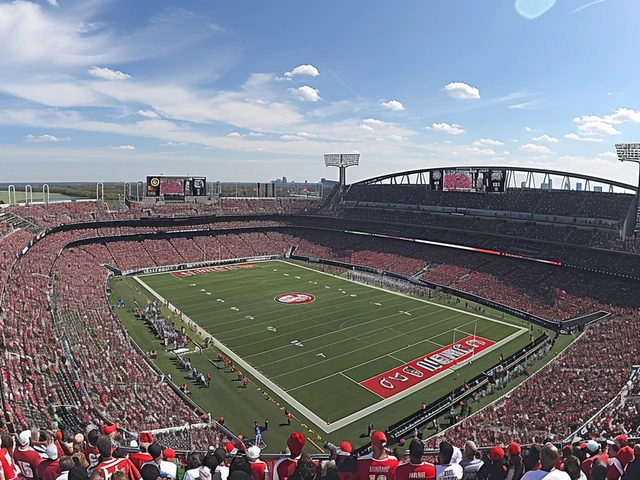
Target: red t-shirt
{"points": [[27, 461], [9, 467], [258, 470], [284, 468], [92, 455], [139, 459], [372, 469], [112, 465], [411, 471], [48, 470]]}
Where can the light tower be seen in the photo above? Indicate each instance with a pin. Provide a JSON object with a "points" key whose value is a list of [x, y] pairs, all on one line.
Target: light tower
{"points": [[342, 161], [630, 152]]}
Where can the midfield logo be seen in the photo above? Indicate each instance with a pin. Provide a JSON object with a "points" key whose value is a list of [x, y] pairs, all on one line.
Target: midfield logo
{"points": [[295, 298]]}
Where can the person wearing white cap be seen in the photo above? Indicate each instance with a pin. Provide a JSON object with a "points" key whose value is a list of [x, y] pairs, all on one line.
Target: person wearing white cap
{"points": [[26, 457], [259, 468], [49, 468]]}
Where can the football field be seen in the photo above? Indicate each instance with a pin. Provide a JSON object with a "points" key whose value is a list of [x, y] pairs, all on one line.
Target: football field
{"points": [[333, 349]]}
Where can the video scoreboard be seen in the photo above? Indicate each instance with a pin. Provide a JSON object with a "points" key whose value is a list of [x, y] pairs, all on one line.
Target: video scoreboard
{"points": [[485, 180], [176, 186]]}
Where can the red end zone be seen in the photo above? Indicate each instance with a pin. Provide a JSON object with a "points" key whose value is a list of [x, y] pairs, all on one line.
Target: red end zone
{"points": [[218, 268], [406, 376]]}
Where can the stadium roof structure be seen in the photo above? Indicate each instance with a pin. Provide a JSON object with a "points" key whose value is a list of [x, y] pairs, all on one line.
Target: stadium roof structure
{"points": [[516, 177]]}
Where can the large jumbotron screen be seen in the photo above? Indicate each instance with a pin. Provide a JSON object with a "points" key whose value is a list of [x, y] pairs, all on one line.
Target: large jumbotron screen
{"points": [[469, 180], [176, 186]]}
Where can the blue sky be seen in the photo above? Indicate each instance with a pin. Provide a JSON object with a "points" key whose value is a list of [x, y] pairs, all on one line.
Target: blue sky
{"points": [[114, 90]]}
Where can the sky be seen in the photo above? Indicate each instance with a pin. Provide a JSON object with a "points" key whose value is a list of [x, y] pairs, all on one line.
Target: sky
{"points": [[113, 90]]}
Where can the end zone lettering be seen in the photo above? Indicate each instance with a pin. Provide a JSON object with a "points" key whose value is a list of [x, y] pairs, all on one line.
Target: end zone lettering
{"points": [[401, 378], [217, 268]]}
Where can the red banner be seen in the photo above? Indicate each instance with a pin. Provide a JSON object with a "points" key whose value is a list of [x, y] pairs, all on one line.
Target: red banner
{"points": [[421, 369], [217, 268]]}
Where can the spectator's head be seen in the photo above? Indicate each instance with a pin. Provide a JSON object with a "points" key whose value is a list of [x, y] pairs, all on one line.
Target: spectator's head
{"points": [[514, 450], [496, 454], [194, 460], [345, 448], [104, 446], [78, 472], [169, 454], [549, 456], [52, 452], [572, 467], [119, 475], [24, 438], [155, 451], [598, 470], [445, 452], [295, 443], [613, 448], [150, 472], [533, 456], [92, 437], [8, 442], [66, 463], [306, 467], [593, 447], [253, 453], [212, 462], [240, 464], [416, 450], [220, 454], [470, 450]]}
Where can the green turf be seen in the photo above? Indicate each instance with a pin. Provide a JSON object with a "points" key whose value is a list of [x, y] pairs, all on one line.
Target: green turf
{"points": [[252, 291], [345, 339]]}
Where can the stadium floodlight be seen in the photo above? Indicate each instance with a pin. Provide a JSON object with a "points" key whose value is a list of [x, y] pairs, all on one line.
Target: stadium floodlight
{"points": [[342, 161], [630, 152]]}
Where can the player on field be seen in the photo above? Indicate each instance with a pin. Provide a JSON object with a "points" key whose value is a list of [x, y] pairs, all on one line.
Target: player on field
{"points": [[378, 465]]}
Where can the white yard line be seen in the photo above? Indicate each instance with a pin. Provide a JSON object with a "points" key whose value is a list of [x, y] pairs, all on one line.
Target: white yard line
{"points": [[322, 424]]}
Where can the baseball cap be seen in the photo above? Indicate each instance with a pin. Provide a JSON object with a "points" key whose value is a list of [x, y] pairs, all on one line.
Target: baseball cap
{"points": [[345, 447], [146, 437], [24, 438], [416, 448], [52, 452], [378, 439], [253, 452], [133, 444], [109, 429], [446, 449], [230, 448], [496, 453], [169, 454], [593, 446], [514, 449], [154, 450], [622, 438], [295, 442]]}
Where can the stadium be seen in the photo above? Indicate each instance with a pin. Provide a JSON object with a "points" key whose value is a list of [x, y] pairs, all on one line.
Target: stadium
{"points": [[437, 303]]}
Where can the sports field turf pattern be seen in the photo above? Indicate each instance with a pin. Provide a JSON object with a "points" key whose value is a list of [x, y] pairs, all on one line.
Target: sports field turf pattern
{"points": [[319, 352]]}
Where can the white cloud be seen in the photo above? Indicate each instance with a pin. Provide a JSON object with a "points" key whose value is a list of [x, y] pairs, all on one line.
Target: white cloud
{"points": [[291, 137], [394, 105], [306, 93], [595, 125], [462, 90], [487, 141], [306, 135], [148, 114], [366, 128], [46, 138], [452, 129], [597, 128], [124, 147], [545, 138], [373, 121], [532, 147], [172, 144], [256, 134], [108, 74], [573, 136], [609, 155], [481, 151], [522, 106], [397, 138], [528, 129], [53, 3], [234, 135], [506, 152], [309, 70]]}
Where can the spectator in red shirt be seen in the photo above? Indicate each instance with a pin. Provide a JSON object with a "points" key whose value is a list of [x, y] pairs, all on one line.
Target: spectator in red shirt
{"points": [[416, 468], [259, 468], [379, 465], [109, 465], [285, 466], [10, 470], [26, 457], [49, 468]]}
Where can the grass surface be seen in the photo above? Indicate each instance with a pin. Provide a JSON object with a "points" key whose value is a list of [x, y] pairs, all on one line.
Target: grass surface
{"points": [[356, 337]]}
